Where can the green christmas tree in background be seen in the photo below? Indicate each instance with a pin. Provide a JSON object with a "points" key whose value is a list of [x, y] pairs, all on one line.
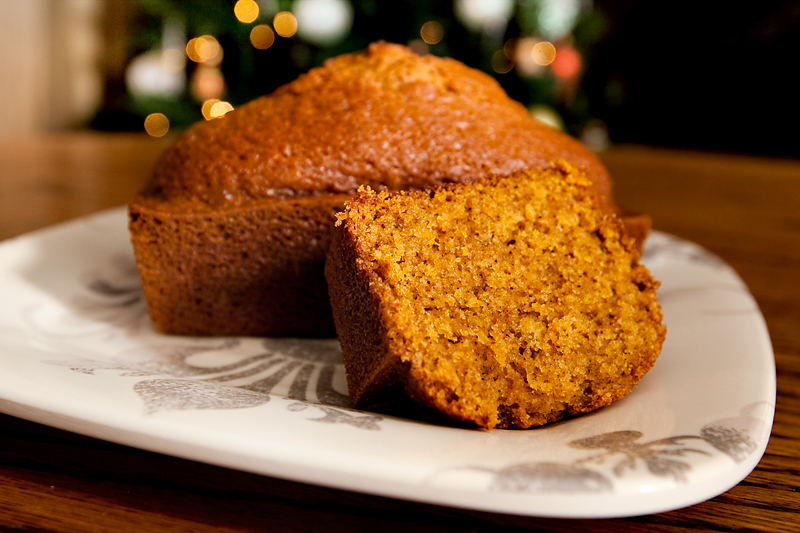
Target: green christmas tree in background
{"points": [[197, 59]]}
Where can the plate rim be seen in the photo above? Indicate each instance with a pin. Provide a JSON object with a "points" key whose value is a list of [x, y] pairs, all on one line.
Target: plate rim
{"points": [[645, 504]]}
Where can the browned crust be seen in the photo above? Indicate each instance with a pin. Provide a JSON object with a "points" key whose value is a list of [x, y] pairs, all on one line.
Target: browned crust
{"points": [[355, 306], [384, 117], [253, 271]]}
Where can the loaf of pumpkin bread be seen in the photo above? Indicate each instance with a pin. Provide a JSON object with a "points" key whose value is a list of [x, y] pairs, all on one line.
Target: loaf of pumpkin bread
{"points": [[231, 234]]}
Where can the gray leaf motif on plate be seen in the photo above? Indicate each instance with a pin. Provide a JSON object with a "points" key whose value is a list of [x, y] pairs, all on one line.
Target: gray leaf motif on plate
{"points": [[625, 451], [183, 394], [734, 442], [734, 436], [658, 456], [305, 368], [111, 304]]}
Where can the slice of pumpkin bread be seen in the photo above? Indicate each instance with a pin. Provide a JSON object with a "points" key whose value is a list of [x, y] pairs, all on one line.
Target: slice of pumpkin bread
{"points": [[507, 303]]}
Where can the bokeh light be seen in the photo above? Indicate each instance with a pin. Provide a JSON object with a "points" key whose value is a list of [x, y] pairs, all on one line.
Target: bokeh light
{"points": [[490, 16], [173, 59], [567, 63], [214, 108], [207, 82], [522, 54], [431, 32], [323, 22], [153, 74], [156, 124], [246, 11], [528, 45], [203, 49], [558, 17], [206, 107], [262, 37], [219, 109], [510, 48], [547, 115], [544, 53], [500, 63], [285, 24]]}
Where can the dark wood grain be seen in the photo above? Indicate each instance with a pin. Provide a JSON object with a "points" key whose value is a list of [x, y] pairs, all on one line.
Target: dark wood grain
{"points": [[744, 209]]}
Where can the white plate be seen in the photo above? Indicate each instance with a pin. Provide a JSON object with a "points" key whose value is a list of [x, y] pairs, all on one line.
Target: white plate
{"points": [[78, 352]]}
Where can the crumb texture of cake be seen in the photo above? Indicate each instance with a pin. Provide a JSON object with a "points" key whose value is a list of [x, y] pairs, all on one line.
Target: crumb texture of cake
{"points": [[231, 234], [507, 303]]}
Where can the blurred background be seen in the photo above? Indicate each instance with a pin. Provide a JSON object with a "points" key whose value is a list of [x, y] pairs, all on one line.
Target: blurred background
{"points": [[699, 75]]}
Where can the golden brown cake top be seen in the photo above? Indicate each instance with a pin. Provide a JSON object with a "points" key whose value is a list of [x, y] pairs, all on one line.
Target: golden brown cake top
{"points": [[385, 117]]}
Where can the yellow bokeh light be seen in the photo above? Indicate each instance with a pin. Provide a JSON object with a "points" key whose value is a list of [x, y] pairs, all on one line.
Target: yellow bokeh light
{"points": [[206, 108], [214, 108], [219, 109], [203, 49], [431, 32], [522, 55], [285, 24], [246, 11], [510, 48], [500, 63], [156, 124], [543, 53], [262, 37]]}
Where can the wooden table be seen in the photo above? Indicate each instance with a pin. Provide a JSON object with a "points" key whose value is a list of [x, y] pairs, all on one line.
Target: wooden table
{"points": [[744, 209]]}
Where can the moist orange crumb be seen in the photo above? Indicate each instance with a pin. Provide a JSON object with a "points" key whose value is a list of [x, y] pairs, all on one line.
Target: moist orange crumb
{"points": [[506, 303]]}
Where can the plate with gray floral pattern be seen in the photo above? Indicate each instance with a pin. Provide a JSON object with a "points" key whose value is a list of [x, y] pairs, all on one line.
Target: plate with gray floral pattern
{"points": [[78, 352]]}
